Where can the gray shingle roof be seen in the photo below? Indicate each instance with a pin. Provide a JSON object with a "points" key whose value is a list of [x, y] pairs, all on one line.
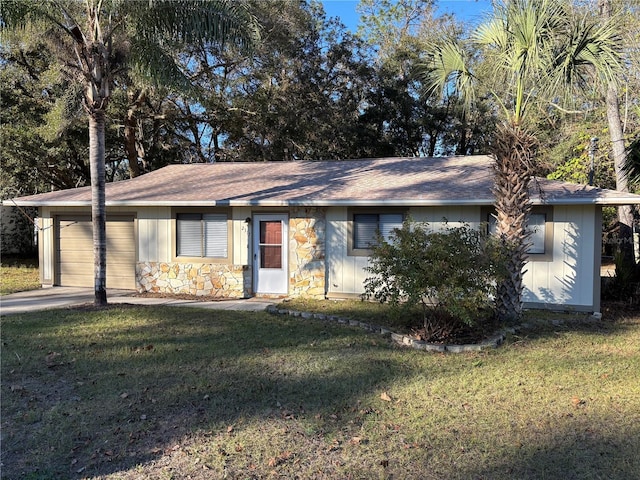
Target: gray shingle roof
{"points": [[400, 181]]}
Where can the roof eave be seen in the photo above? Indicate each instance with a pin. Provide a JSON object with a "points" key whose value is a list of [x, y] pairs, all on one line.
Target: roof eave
{"points": [[604, 201]]}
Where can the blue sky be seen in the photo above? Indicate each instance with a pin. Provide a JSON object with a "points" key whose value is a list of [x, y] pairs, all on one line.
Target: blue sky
{"points": [[467, 10]]}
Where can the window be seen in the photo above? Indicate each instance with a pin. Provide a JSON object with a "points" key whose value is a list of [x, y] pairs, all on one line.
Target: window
{"points": [[366, 226], [202, 235], [537, 227], [541, 228]]}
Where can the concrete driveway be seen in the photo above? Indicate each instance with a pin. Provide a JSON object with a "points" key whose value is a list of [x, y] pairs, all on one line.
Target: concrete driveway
{"points": [[49, 298]]}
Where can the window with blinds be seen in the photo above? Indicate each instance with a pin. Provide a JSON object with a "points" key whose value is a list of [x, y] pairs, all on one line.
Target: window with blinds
{"points": [[366, 227], [539, 237], [202, 235]]}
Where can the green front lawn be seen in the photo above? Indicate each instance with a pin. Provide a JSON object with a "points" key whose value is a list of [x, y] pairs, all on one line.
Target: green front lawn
{"points": [[18, 275], [134, 392]]}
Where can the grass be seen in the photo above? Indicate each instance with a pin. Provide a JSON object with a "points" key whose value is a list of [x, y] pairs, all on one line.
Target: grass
{"points": [[144, 392], [18, 275]]}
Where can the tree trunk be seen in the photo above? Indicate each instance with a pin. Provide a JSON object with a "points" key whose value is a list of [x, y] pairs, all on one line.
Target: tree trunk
{"points": [[130, 126], [625, 214], [136, 100], [514, 149], [98, 207], [461, 148], [619, 152]]}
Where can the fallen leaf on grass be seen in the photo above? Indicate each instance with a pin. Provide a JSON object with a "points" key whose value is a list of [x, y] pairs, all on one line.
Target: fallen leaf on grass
{"points": [[281, 458], [577, 401], [51, 357], [385, 396]]}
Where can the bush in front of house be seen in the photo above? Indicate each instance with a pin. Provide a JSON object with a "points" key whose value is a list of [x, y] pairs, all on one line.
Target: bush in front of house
{"points": [[451, 274]]}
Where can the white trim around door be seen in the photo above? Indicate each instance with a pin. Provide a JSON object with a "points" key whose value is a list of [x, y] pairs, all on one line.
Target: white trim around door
{"points": [[270, 254]]}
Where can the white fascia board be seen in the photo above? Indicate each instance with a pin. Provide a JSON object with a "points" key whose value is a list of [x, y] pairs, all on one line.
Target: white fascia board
{"points": [[36, 203], [631, 200], [308, 203], [612, 202]]}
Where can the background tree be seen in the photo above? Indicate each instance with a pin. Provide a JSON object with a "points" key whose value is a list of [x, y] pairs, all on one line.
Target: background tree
{"points": [[35, 157], [533, 52], [618, 147], [399, 33], [296, 96], [99, 39]]}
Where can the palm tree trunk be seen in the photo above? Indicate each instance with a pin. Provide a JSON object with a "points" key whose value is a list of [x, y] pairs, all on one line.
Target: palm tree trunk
{"points": [[513, 150], [98, 207]]}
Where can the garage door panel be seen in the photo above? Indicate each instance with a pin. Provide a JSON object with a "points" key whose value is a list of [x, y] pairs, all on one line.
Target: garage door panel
{"points": [[122, 249], [120, 246], [75, 263]]}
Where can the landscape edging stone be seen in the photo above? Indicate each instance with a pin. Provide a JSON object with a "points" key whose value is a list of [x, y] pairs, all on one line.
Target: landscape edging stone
{"points": [[400, 339]]}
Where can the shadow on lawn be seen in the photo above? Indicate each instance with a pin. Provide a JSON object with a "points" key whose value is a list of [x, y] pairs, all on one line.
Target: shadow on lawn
{"points": [[571, 452], [617, 317], [93, 403]]}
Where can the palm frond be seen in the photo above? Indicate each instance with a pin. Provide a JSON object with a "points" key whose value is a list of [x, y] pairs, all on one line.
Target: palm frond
{"points": [[18, 14], [151, 65], [186, 21], [588, 56], [448, 71]]}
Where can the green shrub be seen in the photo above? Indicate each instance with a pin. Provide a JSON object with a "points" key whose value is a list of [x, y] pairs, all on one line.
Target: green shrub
{"points": [[452, 274]]}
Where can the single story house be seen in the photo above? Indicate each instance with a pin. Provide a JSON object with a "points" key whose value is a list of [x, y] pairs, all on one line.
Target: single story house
{"points": [[303, 228]]}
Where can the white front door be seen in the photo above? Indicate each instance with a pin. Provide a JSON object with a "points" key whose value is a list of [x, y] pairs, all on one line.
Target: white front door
{"points": [[270, 266]]}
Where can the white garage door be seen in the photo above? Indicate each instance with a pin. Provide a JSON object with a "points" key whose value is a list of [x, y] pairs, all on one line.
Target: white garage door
{"points": [[74, 252]]}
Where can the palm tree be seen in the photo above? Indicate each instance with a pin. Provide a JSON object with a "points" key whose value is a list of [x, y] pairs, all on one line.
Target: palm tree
{"points": [[534, 54], [97, 40]]}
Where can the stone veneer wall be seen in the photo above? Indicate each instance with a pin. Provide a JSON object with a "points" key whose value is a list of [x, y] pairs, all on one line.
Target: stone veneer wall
{"points": [[206, 279], [307, 227]]}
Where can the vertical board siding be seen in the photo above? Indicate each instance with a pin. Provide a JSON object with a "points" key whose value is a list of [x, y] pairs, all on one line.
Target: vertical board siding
{"points": [[46, 250], [241, 242], [154, 234], [568, 278], [565, 280], [346, 273], [454, 216], [337, 249]]}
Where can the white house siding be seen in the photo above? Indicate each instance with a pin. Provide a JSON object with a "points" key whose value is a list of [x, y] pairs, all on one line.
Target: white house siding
{"points": [[568, 279], [241, 229], [154, 234], [346, 273], [45, 249], [455, 216]]}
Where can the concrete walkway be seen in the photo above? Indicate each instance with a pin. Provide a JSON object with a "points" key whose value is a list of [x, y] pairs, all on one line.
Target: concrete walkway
{"points": [[49, 298]]}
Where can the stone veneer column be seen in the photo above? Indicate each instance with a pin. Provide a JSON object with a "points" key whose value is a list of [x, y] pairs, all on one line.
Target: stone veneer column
{"points": [[307, 227]]}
